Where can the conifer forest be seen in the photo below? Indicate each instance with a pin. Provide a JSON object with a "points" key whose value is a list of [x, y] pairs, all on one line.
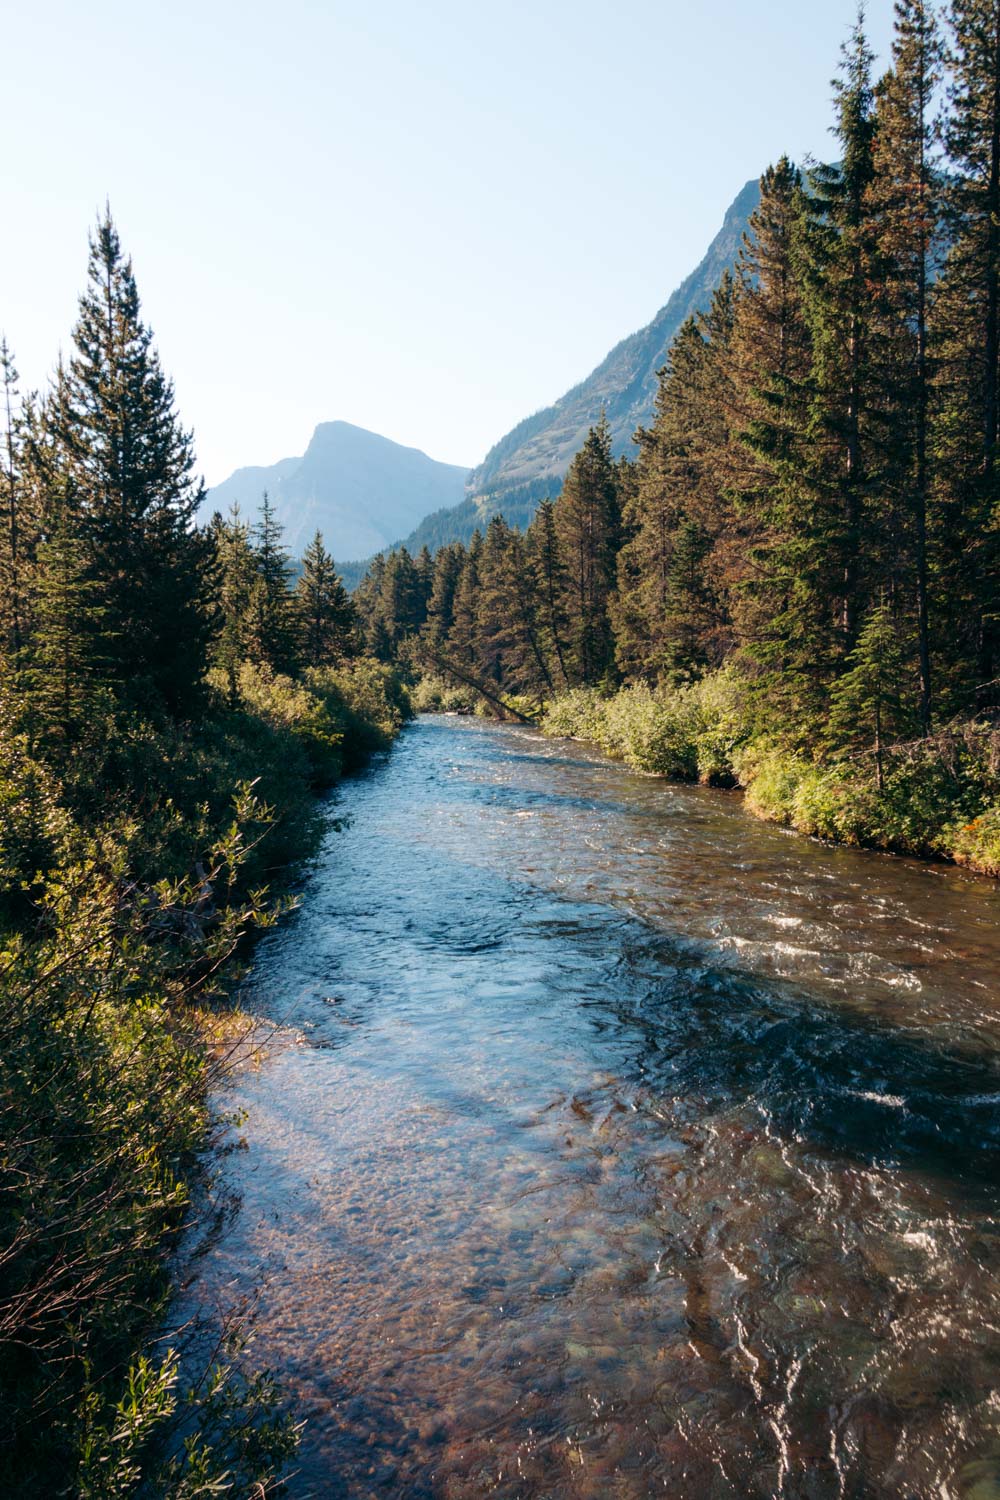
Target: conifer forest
{"points": [[458, 1036]]}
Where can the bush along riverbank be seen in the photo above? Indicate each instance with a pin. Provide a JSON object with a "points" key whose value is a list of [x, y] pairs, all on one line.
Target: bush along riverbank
{"points": [[171, 703], [937, 797], [129, 881]]}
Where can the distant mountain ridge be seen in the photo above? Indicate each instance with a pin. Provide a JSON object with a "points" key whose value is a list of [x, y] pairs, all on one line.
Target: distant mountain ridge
{"points": [[361, 490], [368, 494], [529, 463]]}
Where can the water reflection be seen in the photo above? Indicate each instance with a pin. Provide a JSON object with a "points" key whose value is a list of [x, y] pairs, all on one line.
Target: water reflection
{"points": [[628, 1147]]}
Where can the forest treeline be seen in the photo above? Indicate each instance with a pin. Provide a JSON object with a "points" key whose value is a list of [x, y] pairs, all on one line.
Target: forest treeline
{"points": [[171, 697], [796, 583]]}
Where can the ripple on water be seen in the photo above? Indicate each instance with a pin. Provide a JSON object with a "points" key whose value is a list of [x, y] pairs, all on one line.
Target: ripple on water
{"points": [[585, 1181]]}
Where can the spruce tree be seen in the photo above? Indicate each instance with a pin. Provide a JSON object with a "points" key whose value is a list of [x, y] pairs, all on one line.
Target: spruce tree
{"points": [[235, 576], [779, 570], [462, 643], [130, 469], [326, 618], [66, 665], [905, 195], [549, 571], [401, 600], [272, 622], [678, 491], [839, 310], [871, 703], [441, 604], [588, 523], [967, 319], [530, 667]]}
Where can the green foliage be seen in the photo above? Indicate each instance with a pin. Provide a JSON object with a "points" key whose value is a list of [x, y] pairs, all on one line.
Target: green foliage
{"points": [[938, 797], [119, 456], [102, 1106], [436, 695], [158, 762]]}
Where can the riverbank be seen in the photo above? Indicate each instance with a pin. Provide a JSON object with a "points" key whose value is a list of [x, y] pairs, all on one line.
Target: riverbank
{"points": [[133, 873], [939, 799]]}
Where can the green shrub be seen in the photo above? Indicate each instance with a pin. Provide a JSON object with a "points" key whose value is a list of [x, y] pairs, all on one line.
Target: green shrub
{"points": [[977, 843], [435, 695], [940, 796], [575, 715], [102, 1109], [652, 732]]}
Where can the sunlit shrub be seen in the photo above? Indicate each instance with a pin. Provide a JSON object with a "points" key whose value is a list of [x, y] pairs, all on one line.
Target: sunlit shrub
{"points": [[977, 843], [435, 695], [576, 714]]}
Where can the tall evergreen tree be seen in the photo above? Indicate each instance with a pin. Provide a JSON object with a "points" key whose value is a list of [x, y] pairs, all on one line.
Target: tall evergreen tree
{"points": [[871, 702], [272, 621], [69, 638], [968, 337], [774, 555], [588, 521], [839, 310], [130, 467], [441, 602], [235, 576], [905, 197], [549, 571], [326, 618]]}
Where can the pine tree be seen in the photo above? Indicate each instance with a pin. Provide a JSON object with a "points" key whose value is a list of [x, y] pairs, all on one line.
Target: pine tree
{"points": [[551, 581], [690, 604], [326, 617], [967, 319], [775, 556], [424, 564], [448, 565], [462, 644], [530, 669], [401, 600], [66, 663], [588, 522], [905, 198], [235, 573], [839, 310], [129, 465], [871, 702], [272, 622], [493, 603]]}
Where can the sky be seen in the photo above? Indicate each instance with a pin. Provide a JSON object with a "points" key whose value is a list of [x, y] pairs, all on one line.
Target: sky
{"points": [[427, 219]]}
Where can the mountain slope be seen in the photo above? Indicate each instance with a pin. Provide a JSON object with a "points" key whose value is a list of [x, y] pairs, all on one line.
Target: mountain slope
{"points": [[529, 463], [624, 384], [361, 490]]}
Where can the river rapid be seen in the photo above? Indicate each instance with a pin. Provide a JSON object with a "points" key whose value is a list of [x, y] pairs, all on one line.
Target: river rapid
{"points": [[618, 1145]]}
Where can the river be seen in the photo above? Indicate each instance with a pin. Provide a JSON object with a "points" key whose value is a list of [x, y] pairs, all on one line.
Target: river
{"points": [[618, 1145]]}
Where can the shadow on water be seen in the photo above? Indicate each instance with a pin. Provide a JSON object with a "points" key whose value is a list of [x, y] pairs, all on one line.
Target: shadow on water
{"points": [[583, 1180]]}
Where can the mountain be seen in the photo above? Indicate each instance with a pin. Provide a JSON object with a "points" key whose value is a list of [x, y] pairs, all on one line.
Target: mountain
{"points": [[529, 463], [360, 490]]}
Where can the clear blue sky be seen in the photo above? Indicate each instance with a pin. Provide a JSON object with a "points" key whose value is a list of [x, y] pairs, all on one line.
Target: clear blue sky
{"points": [[426, 219]]}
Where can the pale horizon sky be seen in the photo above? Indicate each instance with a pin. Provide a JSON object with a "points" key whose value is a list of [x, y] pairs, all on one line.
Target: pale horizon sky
{"points": [[428, 221]]}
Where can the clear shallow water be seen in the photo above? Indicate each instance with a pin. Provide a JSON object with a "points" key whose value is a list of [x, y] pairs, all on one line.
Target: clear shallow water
{"points": [[629, 1147]]}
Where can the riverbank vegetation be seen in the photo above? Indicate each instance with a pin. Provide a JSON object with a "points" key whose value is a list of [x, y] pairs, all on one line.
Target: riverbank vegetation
{"points": [[795, 585], [170, 702]]}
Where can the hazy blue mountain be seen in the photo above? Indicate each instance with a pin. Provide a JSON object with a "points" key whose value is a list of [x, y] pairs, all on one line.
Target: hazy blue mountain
{"points": [[529, 463], [361, 490]]}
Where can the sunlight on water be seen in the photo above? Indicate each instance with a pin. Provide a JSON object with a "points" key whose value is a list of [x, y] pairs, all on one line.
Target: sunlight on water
{"points": [[618, 1145]]}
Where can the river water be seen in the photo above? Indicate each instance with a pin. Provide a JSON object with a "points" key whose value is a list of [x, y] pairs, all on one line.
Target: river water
{"points": [[619, 1145]]}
